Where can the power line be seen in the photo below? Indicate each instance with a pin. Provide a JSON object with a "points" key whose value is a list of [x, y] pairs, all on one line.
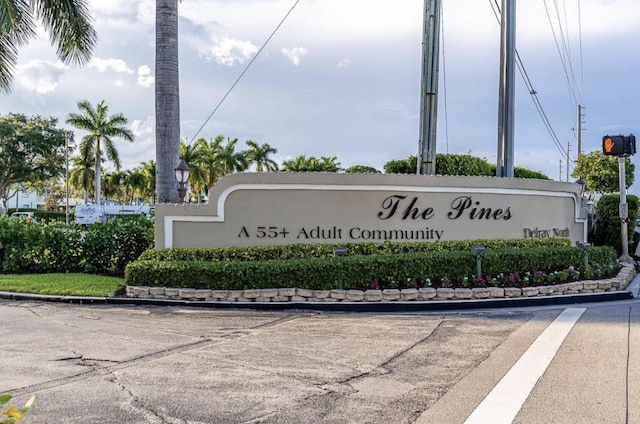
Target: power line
{"points": [[581, 61], [563, 58], [246, 68], [532, 91]]}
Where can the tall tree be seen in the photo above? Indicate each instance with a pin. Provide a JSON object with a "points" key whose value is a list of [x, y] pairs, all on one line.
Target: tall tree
{"points": [[148, 169], [229, 160], [30, 150], [112, 186], [221, 159], [68, 23], [82, 173], [167, 100], [101, 129], [192, 154], [311, 164], [134, 182], [259, 155], [601, 173]]}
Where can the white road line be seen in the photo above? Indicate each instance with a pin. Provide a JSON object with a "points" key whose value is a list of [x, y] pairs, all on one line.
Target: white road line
{"points": [[504, 402]]}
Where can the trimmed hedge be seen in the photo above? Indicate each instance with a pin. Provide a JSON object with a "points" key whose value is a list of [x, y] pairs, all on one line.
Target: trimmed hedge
{"points": [[358, 271], [306, 251], [43, 247]]}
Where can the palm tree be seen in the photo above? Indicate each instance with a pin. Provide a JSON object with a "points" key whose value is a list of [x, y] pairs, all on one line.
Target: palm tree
{"points": [[82, 174], [111, 185], [231, 161], [68, 23], [148, 169], [330, 163], [298, 164], [101, 129], [134, 184], [192, 154], [311, 164], [167, 99], [219, 160], [259, 155]]}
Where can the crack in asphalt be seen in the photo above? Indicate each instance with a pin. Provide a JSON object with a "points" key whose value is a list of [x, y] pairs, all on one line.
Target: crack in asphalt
{"points": [[100, 370], [380, 368], [97, 369], [136, 403]]}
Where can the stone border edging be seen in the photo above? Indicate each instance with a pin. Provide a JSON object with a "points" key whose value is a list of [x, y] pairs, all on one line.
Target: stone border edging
{"points": [[616, 283]]}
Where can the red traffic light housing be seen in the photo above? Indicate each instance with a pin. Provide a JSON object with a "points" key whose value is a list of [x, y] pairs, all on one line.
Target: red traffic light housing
{"points": [[619, 145]]}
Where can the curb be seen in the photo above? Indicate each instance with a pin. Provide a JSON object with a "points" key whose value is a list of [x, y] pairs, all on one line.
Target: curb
{"points": [[412, 306]]}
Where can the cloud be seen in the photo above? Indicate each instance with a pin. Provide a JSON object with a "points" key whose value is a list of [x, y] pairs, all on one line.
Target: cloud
{"points": [[145, 78], [229, 51], [40, 76], [143, 147], [391, 109], [116, 65], [144, 128], [344, 64], [294, 54]]}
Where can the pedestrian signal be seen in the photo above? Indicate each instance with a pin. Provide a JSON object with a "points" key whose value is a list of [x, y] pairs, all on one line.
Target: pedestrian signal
{"points": [[619, 145]]}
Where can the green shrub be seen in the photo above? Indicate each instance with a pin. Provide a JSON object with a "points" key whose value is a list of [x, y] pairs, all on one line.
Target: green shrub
{"points": [[51, 246], [400, 270], [607, 232], [306, 251]]}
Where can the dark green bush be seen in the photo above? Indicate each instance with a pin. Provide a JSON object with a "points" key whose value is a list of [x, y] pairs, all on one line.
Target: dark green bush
{"points": [[51, 246], [306, 251], [607, 232], [358, 271]]}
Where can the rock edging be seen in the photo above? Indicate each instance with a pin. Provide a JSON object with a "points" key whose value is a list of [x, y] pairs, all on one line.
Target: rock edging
{"points": [[619, 282]]}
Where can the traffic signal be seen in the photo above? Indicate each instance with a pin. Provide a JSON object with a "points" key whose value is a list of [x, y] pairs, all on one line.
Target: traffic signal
{"points": [[619, 145]]}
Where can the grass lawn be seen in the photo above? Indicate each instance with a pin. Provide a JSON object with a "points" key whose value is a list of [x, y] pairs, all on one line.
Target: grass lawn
{"points": [[61, 284]]}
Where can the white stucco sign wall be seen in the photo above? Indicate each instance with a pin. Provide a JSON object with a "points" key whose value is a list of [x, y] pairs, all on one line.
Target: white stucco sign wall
{"points": [[285, 208]]}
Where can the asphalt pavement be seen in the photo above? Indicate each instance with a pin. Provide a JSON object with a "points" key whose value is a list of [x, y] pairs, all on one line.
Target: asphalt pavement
{"points": [[105, 363]]}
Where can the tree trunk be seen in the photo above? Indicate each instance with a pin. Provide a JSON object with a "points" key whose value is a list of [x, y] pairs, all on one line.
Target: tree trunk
{"points": [[167, 100], [97, 177]]}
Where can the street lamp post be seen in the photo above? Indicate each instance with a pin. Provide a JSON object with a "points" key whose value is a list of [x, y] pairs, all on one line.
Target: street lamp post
{"points": [[182, 175], [69, 144]]}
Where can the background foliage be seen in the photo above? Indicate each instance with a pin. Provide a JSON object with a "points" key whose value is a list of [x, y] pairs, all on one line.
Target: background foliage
{"points": [[51, 246], [31, 150], [607, 231], [601, 173], [455, 164]]}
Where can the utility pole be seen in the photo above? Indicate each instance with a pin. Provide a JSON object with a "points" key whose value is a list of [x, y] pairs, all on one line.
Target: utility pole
{"points": [[579, 131], [560, 170], [568, 159], [505, 162], [429, 88]]}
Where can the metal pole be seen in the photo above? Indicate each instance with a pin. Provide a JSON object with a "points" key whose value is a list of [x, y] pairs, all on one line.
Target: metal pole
{"points": [[579, 132], [560, 170], [505, 162], [429, 88], [624, 213], [568, 159]]}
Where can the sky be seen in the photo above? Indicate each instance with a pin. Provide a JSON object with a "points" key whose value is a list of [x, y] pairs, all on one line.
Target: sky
{"points": [[342, 77]]}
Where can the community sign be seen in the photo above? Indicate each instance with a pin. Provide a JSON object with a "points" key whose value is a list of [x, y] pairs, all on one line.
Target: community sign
{"points": [[252, 209]]}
